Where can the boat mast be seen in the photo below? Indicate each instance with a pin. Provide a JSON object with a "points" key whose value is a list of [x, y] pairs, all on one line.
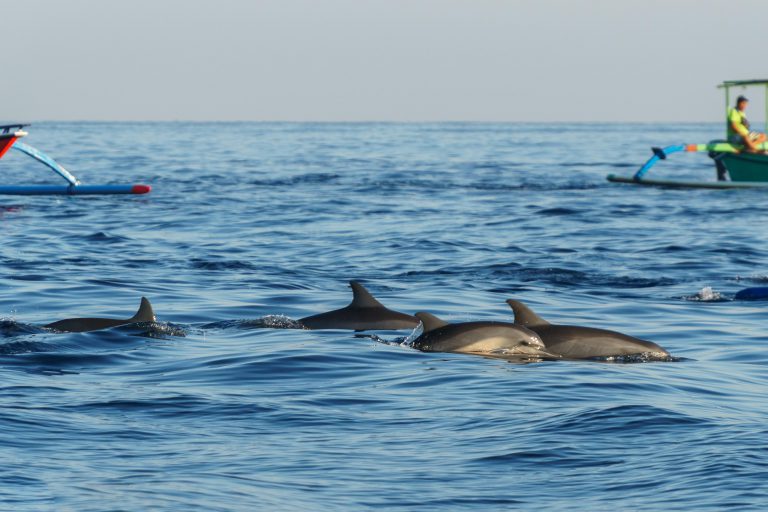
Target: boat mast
{"points": [[727, 106], [766, 109]]}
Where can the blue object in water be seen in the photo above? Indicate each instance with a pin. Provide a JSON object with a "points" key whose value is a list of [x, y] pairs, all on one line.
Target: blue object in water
{"points": [[755, 293], [72, 190], [74, 187]]}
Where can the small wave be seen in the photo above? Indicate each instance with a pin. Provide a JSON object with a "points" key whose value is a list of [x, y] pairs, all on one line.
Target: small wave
{"points": [[313, 178], [395, 342], [759, 278], [518, 358], [669, 248], [552, 275], [203, 264], [163, 330], [10, 208], [101, 236], [144, 329], [495, 186], [617, 165], [564, 276], [557, 211], [645, 357], [25, 347], [158, 330], [559, 457], [265, 322], [623, 420], [11, 328], [278, 322], [30, 277]]}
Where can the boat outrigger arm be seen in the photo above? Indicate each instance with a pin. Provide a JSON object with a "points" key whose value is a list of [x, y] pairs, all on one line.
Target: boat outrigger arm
{"points": [[9, 135], [45, 159]]}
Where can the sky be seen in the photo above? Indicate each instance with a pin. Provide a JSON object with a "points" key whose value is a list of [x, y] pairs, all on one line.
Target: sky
{"points": [[377, 60]]}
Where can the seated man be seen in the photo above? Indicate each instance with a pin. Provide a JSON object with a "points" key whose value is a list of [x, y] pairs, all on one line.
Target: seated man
{"points": [[738, 127]]}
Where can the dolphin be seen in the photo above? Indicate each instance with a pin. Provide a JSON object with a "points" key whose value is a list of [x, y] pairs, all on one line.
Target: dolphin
{"points": [[144, 314], [363, 313], [574, 342], [486, 338], [754, 293]]}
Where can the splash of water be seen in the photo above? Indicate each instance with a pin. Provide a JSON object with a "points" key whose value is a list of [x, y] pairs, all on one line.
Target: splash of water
{"points": [[706, 294]]}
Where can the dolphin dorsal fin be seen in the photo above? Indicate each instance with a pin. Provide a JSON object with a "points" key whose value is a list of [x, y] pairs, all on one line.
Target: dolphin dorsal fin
{"points": [[524, 315], [430, 322], [145, 312], [362, 298]]}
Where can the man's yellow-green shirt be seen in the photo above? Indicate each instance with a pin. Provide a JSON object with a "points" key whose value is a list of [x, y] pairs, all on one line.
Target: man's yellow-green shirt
{"points": [[738, 118]]}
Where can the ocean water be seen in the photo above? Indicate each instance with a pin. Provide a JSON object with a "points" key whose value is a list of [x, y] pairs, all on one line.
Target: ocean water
{"points": [[250, 225]]}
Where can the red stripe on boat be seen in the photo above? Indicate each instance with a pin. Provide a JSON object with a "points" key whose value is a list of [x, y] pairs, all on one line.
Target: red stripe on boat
{"points": [[5, 144]]}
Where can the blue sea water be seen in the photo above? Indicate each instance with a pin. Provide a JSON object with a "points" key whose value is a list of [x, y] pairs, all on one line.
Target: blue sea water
{"points": [[250, 225]]}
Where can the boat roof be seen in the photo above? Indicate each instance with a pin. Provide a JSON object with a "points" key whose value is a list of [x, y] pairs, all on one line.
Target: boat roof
{"points": [[10, 128], [732, 83]]}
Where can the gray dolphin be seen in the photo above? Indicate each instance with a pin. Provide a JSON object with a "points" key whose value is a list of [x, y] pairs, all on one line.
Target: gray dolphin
{"points": [[363, 313], [486, 338], [144, 314], [574, 342]]}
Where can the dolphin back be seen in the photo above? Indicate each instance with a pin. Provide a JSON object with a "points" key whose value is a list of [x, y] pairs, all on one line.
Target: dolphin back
{"points": [[361, 319], [362, 314], [144, 314], [576, 342]]}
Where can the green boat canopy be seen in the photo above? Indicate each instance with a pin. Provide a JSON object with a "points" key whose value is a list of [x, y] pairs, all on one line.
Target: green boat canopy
{"points": [[735, 83]]}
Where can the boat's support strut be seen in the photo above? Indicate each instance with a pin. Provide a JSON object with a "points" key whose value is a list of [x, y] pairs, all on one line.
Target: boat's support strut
{"points": [[45, 159], [658, 154]]}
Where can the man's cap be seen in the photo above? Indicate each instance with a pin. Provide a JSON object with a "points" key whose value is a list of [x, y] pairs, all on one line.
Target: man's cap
{"points": [[741, 98]]}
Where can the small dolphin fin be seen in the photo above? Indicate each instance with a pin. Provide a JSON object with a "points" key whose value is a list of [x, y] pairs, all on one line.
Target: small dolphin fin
{"points": [[430, 322], [362, 298], [145, 312], [524, 315]]}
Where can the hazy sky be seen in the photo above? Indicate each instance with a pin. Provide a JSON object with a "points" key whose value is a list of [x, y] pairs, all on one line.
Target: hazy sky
{"points": [[411, 60]]}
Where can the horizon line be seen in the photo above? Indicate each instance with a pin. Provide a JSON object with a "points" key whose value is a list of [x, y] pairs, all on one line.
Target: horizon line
{"points": [[370, 121]]}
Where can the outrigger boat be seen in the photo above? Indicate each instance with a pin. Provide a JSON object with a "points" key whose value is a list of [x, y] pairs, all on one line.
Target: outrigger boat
{"points": [[9, 138], [745, 169]]}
